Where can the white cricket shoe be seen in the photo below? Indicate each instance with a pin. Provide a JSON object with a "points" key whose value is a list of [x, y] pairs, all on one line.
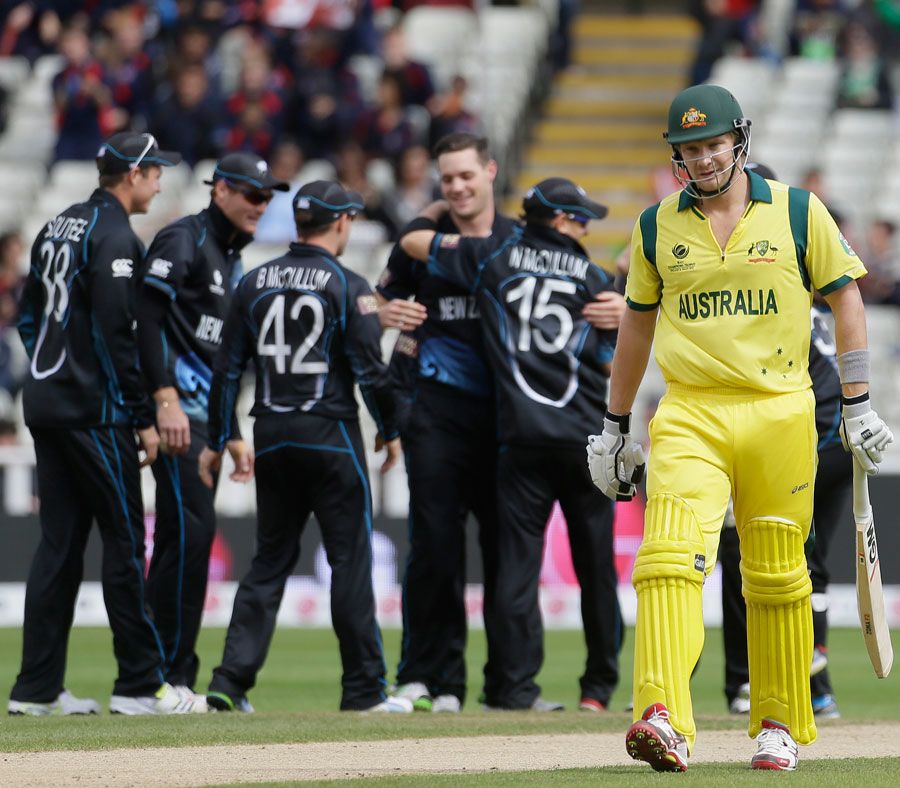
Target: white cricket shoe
{"points": [[416, 693], [196, 702], [776, 749], [653, 739], [393, 704], [166, 700], [65, 703], [740, 703], [446, 704]]}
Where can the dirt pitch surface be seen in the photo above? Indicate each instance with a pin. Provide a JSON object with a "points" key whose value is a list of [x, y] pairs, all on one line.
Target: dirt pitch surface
{"points": [[347, 760]]}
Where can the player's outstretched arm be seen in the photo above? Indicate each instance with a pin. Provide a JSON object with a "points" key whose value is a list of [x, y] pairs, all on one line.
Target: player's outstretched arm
{"points": [[863, 431]]}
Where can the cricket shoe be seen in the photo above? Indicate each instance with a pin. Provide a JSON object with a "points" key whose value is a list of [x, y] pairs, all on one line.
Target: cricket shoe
{"points": [[166, 700], [591, 704], [65, 703], [819, 660], [653, 739], [393, 704], [417, 694], [776, 749], [196, 701], [538, 704], [825, 707], [446, 704], [220, 701], [740, 703]]}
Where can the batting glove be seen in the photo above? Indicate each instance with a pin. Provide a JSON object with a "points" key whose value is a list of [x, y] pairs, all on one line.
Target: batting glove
{"points": [[615, 461], [864, 433]]}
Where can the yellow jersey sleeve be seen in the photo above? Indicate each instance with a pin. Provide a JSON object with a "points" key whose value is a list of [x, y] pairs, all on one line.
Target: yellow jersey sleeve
{"points": [[643, 288], [830, 260]]}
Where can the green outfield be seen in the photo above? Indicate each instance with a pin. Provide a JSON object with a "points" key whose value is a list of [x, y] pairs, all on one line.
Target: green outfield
{"points": [[297, 696]]}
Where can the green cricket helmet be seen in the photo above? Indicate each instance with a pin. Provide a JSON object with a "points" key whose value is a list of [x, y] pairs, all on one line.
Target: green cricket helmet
{"points": [[701, 112]]}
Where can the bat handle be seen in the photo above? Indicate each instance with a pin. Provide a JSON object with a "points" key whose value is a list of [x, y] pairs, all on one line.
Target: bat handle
{"points": [[862, 508]]}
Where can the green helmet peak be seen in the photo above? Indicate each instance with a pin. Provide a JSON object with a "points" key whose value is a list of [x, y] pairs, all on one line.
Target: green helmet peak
{"points": [[701, 112]]}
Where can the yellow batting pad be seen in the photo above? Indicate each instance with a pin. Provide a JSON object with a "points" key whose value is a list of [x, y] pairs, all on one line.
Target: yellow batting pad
{"points": [[777, 589], [668, 578]]}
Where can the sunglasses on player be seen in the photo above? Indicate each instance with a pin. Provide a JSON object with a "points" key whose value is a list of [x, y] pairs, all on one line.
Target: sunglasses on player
{"points": [[582, 220], [252, 196]]}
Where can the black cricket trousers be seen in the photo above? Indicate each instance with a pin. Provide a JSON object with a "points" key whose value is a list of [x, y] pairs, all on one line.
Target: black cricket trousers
{"points": [[85, 475], [179, 567], [834, 488], [451, 455], [529, 480], [309, 464]]}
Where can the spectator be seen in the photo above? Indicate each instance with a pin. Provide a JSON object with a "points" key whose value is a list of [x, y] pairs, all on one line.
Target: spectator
{"points": [[11, 251], [416, 86], [83, 102], [882, 285], [350, 168], [186, 116], [723, 21], [415, 188], [865, 83], [277, 224], [257, 85], [449, 113], [326, 101], [126, 65], [30, 31], [384, 131], [253, 132], [817, 26]]}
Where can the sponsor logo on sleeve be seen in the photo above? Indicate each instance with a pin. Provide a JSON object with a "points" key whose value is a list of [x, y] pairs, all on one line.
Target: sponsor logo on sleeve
{"points": [[122, 266], [449, 241], [160, 268], [846, 244], [367, 304]]}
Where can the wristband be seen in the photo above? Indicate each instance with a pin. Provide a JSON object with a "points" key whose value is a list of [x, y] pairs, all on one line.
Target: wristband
{"points": [[623, 421], [853, 366]]}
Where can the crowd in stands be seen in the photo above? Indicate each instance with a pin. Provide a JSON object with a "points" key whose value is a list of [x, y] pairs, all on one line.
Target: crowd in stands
{"points": [[208, 76]]}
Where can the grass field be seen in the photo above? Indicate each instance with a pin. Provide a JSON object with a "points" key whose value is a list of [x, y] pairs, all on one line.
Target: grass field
{"points": [[297, 698]]}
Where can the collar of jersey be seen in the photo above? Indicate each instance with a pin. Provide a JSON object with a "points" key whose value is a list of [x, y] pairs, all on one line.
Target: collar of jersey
{"points": [[228, 236], [545, 234], [108, 197], [301, 249], [759, 192]]}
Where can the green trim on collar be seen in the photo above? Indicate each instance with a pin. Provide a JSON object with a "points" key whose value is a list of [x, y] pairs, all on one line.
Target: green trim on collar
{"points": [[760, 191]]}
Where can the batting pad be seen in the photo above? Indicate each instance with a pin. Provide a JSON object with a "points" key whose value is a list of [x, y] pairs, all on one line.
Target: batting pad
{"points": [[668, 578], [777, 589]]}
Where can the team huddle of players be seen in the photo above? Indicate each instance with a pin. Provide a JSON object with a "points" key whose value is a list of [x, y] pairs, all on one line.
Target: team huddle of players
{"points": [[508, 337]]}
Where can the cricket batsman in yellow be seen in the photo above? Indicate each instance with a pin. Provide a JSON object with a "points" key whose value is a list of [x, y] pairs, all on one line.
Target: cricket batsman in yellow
{"points": [[722, 275]]}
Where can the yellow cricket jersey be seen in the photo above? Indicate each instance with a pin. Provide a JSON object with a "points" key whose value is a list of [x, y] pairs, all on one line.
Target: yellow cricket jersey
{"points": [[738, 317]]}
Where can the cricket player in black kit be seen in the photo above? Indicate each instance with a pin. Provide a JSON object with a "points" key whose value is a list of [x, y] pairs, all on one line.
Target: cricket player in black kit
{"points": [[449, 435], [550, 368], [834, 488], [190, 272], [311, 328], [84, 399]]}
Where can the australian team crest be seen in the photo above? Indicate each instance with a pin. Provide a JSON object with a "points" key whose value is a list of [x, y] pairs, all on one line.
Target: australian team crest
{"points": [[764, 251], [692, 118]]}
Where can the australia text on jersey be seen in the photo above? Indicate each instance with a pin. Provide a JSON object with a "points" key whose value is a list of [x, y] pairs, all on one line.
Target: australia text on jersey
{"points": [[717, 303]]}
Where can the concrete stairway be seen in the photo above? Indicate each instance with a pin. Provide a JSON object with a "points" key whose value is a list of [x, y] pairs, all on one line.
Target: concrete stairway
{"points": [[602, 124]]}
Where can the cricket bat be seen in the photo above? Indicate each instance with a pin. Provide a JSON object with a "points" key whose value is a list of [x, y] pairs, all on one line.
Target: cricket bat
{"points": [[869, 595]]}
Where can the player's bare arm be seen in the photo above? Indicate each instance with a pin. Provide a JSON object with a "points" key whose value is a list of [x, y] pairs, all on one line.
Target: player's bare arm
{"points": [[148, 439], [172, 422], [630, 360], [863, 431]]}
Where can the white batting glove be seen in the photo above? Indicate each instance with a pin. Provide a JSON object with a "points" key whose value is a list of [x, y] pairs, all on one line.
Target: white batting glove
{"points": [[864, 433], [615, 461]]}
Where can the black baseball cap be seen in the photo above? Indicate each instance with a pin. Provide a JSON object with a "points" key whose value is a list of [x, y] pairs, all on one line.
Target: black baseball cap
{"points": [[323, 202], [559, 195], [129, 149], [246, 168]]}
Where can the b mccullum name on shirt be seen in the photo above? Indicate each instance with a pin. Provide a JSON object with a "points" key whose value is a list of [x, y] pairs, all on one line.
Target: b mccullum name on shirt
{"points": [[718, 303]]}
